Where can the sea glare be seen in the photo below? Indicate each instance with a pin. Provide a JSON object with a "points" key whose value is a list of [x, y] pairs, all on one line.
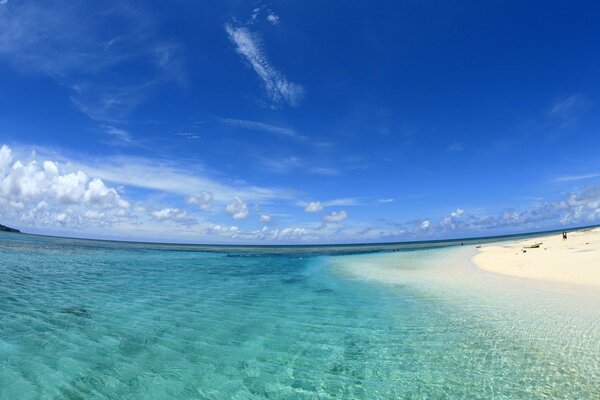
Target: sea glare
{"points": [[86, 319]]}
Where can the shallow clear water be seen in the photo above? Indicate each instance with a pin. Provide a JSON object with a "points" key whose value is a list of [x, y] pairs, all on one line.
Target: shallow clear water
{"points": [[83, 320]]}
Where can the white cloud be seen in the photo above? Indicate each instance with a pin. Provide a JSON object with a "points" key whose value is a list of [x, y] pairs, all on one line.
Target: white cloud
{"points": [[265, 219], [255, 12], [166, 176], [93, 214], [31, 183], [341, 202], [288, 234], [221, 230], [43, 193], [100, 195], [385, 200], [335, 217], [238, 209], [278, 88], [313, 206], [450, 220], [425, 224], [316, 206], [273, 19], [457, 213], [203, 201], [169, 214]]}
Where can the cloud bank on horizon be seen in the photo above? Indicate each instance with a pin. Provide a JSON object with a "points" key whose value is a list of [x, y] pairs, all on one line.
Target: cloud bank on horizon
{"points": [[261, 124]]}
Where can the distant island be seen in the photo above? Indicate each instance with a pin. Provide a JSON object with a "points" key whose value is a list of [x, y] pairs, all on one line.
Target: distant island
{"points": [[7, 229]]}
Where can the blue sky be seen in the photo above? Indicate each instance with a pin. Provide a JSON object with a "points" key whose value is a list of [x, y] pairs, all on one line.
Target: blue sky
{"points": [[298, 122]]}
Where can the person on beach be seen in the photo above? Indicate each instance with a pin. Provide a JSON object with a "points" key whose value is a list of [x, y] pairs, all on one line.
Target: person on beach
{"points": [[564, 235]]}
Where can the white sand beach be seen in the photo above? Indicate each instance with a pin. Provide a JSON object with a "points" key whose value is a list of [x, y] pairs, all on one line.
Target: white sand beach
{"points": [[575, 260]]}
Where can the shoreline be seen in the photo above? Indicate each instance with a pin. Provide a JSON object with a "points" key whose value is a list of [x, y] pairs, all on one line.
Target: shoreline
{"points": [[575, 260]]}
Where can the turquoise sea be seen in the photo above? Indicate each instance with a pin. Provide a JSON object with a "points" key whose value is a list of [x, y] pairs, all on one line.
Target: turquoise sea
{"points": [[83, 319]]}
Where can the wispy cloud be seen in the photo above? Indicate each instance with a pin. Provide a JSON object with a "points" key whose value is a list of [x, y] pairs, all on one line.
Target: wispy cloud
{"points": [[570, 178], [324, 171], [188, 135], [261, 126], [68, 42], [164, 176], [282, 165], [121, 135], [349, 201], [249, 46], [568, 106]]}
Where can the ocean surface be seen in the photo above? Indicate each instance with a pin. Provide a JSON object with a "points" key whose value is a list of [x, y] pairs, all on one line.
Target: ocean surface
{"points": [[84, 319]]}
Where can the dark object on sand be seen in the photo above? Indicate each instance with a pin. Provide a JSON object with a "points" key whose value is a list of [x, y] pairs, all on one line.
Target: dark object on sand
{"points": [[564, 233], [7, 229], [533, 246]]}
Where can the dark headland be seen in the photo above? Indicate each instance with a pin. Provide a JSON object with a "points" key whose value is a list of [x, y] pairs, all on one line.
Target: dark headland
{"points": [[7, 229]]}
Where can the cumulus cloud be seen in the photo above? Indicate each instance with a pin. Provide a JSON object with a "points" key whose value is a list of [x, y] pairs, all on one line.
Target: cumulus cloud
{"points": [[169, 214], [249, 46], [238, 209], [580, 207], [425, 224], [32, 182], [34, 191], [316, 206], [265, 219], [288, 234], [313, 206], [335, 217], [273, 19], [450, 220], [203, 200], [222, 230]]}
